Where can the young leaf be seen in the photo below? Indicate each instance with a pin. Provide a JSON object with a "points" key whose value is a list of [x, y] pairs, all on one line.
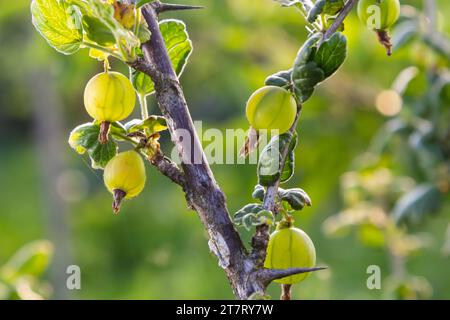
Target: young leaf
{"points": [[316, 10], [97, 31], [331, 54], [141, 82], [253, 214], [57, 23], [297, 198], [124, 13], [117, 130], [151, 125], [249, 208], [414, 205], [306, 74], [332, 7], [259, 192], [289, 166], [268, 168], [85, 138], [280, 79], [307, 51], [179, 47], [305, 78], [104, 12]]}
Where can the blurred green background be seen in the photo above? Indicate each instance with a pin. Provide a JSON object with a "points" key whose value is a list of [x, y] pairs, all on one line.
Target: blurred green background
{"points": [[156, 248]]}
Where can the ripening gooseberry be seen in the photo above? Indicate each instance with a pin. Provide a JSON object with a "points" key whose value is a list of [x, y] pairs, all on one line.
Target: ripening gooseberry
{"points": [[271, 108], [290, 247], [109, 97], [124, 177], [378, 14]]}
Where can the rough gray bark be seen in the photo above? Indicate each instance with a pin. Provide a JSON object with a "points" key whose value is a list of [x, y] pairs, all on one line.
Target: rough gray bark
{"points": [[244, 270]]}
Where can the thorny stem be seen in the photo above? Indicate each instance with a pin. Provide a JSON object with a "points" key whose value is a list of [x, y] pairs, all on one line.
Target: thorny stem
{"points": [[246, 275], [269, 200]]}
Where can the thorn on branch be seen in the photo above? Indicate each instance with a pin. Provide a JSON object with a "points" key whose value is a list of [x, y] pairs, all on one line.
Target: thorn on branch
{"points": [[160, 7], [268, 275]]}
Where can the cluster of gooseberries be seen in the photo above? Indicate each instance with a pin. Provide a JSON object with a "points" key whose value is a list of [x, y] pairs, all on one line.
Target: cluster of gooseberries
{"points": [[110, 97], [274, 108]]}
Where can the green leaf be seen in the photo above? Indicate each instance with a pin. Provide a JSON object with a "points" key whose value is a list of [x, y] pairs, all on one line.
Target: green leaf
{"points": [[332, 7], [306, 52], [247, 209], [179, 47], [117, 130], [31, 260], [289, 166], [141, 82], [268, 168], [414, 205], [306, 74], [85, 138], [331, 54], [305, 78], [57, 23], [151, 125], [280, 79], [126, 40], [297, 198], [144, 33], [259, 192], [97, 31], [316, 10], [253, 214]]}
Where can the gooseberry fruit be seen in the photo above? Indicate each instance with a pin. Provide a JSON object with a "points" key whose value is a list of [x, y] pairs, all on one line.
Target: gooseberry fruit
{"points": [[109, 97], [271, 108], [379, 15], [290, 247], [124, 177]]}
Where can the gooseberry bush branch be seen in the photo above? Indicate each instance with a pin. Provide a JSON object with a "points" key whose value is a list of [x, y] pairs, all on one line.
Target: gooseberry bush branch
{"points": [[156, 52]]}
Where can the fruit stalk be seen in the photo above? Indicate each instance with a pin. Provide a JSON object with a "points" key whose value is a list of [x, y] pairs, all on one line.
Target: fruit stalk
{"points": [[104, 131], [285, 292]]}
